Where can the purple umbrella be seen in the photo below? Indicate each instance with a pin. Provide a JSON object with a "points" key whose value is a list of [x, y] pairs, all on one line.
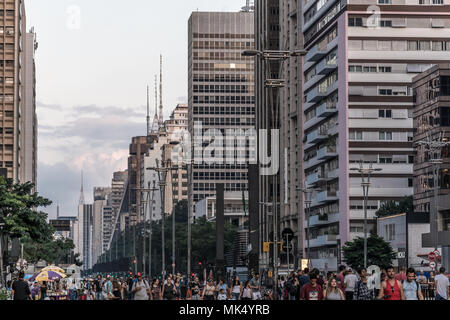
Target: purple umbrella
{"points": [[47, 276]]}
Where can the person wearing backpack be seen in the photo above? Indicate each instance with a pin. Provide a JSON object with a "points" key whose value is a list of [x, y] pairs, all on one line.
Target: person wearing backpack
{"points": [[411, 287]]}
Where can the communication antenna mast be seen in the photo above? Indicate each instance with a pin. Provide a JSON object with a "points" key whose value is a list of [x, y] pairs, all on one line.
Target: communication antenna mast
{"points": [[155, 119], [249, 6], [148, 111], [161, 93]]}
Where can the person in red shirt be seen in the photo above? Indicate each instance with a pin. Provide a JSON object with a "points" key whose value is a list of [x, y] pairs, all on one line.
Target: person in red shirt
{"points": [[391, 288], [402, 275], [311, 290], [340, 277]]}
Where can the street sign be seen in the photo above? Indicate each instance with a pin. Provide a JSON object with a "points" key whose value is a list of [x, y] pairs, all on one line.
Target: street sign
{"points": [[266, 247], [288, 234], [432, 265], [401, 255], [431, 256], [436, 253]]}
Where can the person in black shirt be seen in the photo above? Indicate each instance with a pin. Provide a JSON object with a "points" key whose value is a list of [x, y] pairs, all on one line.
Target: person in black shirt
{"points": [[98, 286], [169, 290], [44, 290], [20, 289]]}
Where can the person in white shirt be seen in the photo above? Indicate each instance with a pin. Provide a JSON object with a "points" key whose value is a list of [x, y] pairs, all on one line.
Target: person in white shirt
{"points": [[141, 289], [442, 285], [349, 284]]}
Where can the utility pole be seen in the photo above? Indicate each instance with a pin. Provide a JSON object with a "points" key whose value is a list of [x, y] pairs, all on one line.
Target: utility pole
{"points": [[365, 184]]}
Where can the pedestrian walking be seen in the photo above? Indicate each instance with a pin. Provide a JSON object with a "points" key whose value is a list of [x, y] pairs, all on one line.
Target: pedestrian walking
{"points": [[391, 288], [333, 292], [362, 289], [442, 285], [423, 281], [221, 286], [255, 284], [208, 291], [73, 291], [341, 277], [246, 293], [44, 290], [350, 281], [155, 291], [431, 285], [169, 291], [98, 288], [311, 290], [20, 289], [236, 288], [35, 291], [411, 287], [116, 288], [140, 289], [401, 276]]}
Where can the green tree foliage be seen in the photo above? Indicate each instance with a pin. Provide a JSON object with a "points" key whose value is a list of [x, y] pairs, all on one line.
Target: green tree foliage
{"points": [[379, 252], [18, 205], [54, 251], [391, 208]]}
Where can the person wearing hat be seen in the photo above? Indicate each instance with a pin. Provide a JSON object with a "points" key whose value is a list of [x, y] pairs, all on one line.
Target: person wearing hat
{"points": [[350, 281]]}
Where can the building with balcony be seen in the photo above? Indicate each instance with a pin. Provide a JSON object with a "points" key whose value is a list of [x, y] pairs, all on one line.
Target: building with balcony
{"points": [[358, 106]]}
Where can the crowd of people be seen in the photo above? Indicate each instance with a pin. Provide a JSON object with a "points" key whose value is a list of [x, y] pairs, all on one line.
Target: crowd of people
{"points": [[350, 285], [301, 285]]}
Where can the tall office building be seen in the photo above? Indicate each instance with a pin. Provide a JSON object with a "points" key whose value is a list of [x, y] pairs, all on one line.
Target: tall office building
{"points": [[432, 122], [358, 106], [17, 106], [221, 98], [30, 124], [138, 148], [101, 221]]}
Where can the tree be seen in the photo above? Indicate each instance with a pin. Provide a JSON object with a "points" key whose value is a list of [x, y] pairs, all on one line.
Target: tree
{"points": [[391, 208], [181, 211], [54, 251], [18, 205], [379, 252]]}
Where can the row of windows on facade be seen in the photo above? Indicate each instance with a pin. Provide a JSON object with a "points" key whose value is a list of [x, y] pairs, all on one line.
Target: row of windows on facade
{"points": [[224, 35], [223, 78], [399, 45], [382, 136], [224, 89], [224, 67], [220, 176], [7, 63], [212, 186], [225, 99], [219, 166], [224, 110], [231, 45], [226, 121], [221, 55], [9, 31], [6, 164], [440, 117], [397, 22], [439, 86]]}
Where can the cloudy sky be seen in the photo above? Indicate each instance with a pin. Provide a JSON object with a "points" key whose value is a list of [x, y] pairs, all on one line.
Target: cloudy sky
{"points": [[94, 61]]}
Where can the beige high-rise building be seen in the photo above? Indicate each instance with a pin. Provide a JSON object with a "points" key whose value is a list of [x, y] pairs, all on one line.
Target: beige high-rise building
{"points": [[17, 91], [221, 98]]}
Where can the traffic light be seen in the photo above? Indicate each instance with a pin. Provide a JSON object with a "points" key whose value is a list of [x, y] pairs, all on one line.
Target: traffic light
{"points": [[200, 263], [134, 261]]}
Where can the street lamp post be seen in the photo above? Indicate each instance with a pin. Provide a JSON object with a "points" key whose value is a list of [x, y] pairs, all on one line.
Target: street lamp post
{"points": [[268, 56], [308, 200], [2, 225], [365, 176]]}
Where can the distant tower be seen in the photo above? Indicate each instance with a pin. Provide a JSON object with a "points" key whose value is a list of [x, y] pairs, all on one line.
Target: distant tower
{"points": [[249, 6], [81, 201], [148, 111], [161, 119], [57, 211], [155, 126]]}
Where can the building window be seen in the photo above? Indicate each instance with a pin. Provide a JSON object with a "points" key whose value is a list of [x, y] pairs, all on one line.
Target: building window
{"points": [[384, 2], [385, 69], [355, 22], [385, 113], [389, 232], [385, 92], [385, 136], [385, 23], [385, 159], [356, 135]]}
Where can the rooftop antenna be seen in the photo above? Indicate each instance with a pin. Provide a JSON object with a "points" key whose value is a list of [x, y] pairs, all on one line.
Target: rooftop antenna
{"points": [[81, 201], [57, 211], [148, 110], [249, 6], [161, 122], [155, 119]]}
